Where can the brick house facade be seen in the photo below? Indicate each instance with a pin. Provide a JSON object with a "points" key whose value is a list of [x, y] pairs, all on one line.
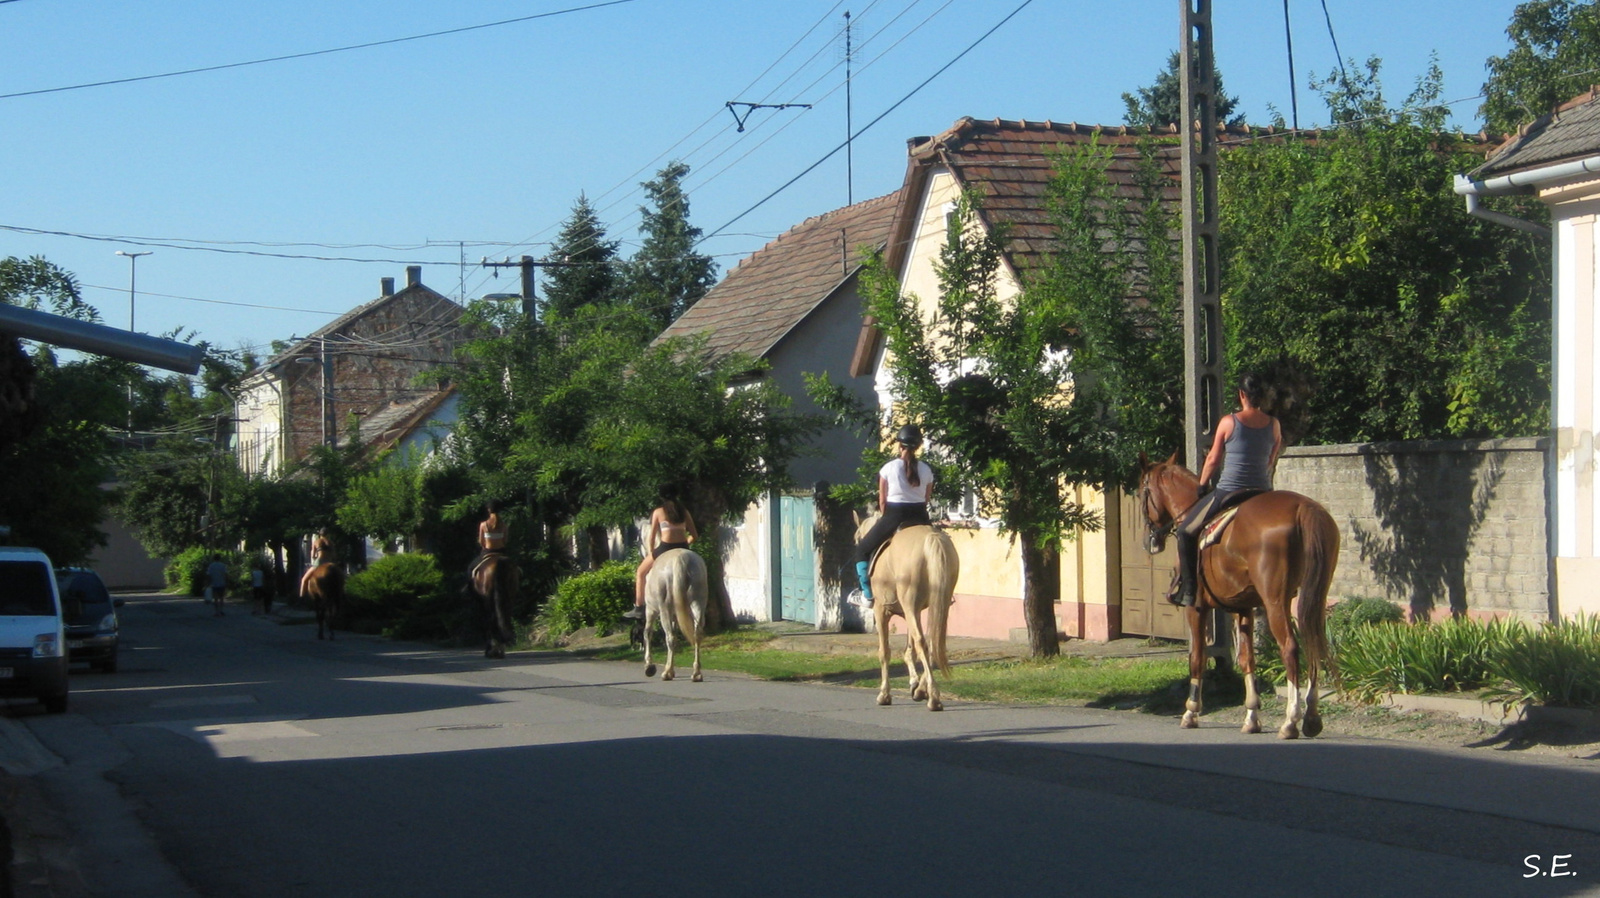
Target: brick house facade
{"points": [[369, 358]]}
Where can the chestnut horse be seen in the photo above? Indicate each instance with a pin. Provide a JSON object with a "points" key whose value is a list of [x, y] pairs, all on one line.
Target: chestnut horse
{"points": [[325, 586], [1279, 543], [916, 571], [496, 582]]}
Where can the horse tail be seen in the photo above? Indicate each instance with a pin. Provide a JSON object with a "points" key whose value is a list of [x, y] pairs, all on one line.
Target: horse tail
{"points": [[688, 581], [1319, 546], [939, 554]]}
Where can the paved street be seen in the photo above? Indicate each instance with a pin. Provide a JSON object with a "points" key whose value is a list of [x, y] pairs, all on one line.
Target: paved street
{"points": [[241, 757]]}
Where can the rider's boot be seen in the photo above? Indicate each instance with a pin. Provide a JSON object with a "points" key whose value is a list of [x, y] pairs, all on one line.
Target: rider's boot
{"points": [[862, 569], [634, 613]]}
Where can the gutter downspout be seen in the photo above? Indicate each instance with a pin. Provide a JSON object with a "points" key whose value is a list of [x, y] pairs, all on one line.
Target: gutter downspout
{"points": [[1519, 182]]}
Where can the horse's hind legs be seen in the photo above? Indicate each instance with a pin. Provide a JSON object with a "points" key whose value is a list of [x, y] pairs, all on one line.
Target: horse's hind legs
{"points": [[884, 698], [1247, 667], [649, 666]]}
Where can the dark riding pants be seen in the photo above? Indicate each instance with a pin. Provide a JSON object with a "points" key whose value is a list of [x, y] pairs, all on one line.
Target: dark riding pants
{"points": [[895, 515]]}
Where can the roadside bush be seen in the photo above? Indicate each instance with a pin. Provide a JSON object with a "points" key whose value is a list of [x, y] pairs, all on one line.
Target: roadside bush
{"points": [[186, 573], [403, 597], [592, 599], [1556, 664], [1344, 617], [1347, 614], [1450, 656]]}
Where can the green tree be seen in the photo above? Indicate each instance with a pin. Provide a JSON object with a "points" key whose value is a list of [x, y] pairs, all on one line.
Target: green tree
{"points": [[588, 269], [1351, 256], [1047, 390], [1554, 56], [667, 276], [1158, 105]]}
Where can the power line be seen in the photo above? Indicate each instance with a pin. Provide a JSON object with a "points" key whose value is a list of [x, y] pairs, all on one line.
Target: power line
{"points": [[311, 53], [868, 126]]}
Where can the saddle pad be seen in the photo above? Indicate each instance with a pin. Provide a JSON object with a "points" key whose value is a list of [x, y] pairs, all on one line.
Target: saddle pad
{"points": [[1213, 528]]}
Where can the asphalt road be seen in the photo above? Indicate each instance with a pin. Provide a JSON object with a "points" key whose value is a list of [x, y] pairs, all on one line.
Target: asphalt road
{"points": [[241, 757]]}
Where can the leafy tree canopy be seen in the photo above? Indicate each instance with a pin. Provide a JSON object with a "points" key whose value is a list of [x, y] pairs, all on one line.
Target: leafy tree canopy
{"points": [[1351, 256], [1554, 56]]}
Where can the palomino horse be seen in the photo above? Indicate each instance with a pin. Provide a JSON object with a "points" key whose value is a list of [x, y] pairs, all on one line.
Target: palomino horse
{"points": [[495, 582], [916, 571], [675, 591], [1279, 543], [325, 586]]}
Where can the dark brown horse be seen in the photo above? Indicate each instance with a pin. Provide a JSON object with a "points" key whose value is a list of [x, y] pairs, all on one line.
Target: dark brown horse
{"points": [[1279, 544], [325, 587], [495, 581]]}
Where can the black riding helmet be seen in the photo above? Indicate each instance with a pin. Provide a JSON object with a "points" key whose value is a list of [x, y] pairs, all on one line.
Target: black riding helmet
{"points": [[910, 435]]}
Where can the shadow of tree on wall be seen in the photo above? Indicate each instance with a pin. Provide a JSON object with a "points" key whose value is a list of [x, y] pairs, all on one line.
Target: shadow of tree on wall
{"points": [[1428, 506]]}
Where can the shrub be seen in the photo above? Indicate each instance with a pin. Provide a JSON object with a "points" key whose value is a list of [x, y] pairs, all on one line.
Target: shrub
{"points": [[1347, 614], [1450, 656], [593, 599], [186, 573], [1556, 664], [403, 596]]}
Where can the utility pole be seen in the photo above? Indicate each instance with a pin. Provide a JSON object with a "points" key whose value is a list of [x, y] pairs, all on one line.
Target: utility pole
{"points": [[1202, 294], [527, 265], [1202, 290], [133, 271]]}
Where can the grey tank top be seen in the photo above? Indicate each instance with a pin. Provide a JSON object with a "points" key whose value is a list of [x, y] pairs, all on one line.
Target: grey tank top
{"points": [[1247, 458]]}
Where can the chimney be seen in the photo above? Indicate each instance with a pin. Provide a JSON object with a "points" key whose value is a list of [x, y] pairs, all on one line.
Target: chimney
{"points": [[413, 275], [388, 286]]}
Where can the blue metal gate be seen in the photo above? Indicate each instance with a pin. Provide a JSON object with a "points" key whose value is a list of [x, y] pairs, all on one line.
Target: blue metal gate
{"points": [[797, 524]]}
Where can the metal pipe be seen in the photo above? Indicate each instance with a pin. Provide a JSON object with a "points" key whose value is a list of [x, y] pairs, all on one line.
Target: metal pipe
{"points": [[1519, 182], [85, 336]]}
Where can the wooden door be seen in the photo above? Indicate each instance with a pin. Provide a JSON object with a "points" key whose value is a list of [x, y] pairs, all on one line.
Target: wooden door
{"points": [[1145, 578]]}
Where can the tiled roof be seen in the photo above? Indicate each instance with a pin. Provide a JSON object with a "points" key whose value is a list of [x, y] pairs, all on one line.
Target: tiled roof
{"points": [[775, 288], [386, 427], [1010, 163], [1571, 132]]}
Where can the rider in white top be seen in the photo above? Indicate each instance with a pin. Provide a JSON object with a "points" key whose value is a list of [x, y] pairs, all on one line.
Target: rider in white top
{"points": [[905, 485]]}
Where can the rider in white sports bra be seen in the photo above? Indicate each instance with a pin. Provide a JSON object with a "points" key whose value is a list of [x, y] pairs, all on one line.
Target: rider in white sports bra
{"points": [[671, 527]]}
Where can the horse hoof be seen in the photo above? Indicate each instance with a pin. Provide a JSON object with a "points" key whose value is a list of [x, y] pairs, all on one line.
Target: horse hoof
{"points": [[668, 675], [1250, 728], [919, 695], [885, 699], [1288, 731], [697, 679], [1189, 721], [935, 705], [650, 670], [1311, 726]]}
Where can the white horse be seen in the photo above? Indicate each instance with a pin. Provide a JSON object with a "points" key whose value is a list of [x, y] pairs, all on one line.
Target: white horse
{"points": [[675, 592], [917, 570]]}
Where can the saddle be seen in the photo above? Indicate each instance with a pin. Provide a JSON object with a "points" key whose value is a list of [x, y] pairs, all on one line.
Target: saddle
{"points": [[472, 573], [1223, 516]]}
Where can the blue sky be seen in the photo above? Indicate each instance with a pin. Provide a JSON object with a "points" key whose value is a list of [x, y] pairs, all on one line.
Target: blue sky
{"points": [[398, 153]]}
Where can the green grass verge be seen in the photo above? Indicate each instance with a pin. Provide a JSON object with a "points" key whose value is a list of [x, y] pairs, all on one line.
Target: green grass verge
{"points": [[1154, 684]]}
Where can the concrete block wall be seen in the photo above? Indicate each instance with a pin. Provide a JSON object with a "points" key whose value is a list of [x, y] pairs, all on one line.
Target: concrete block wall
{"points": [[1440, 527]]}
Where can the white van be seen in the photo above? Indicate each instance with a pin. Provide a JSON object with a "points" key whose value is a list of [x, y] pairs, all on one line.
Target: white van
{"points": [[33, 644]]}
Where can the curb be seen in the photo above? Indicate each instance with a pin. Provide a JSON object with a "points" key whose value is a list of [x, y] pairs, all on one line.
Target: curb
{"points": [[1473, 709]]}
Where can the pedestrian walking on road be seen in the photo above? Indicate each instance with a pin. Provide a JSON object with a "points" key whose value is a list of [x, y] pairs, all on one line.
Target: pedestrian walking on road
{"points": [[259, 603], [218, 574]]}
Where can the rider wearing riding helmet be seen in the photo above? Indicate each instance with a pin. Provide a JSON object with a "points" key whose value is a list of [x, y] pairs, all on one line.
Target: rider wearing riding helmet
{"points": [[905, 484], [1246, 448]]}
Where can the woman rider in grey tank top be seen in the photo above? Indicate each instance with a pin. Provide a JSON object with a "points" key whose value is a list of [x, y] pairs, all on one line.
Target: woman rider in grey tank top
{"points": [[1246, 446]]}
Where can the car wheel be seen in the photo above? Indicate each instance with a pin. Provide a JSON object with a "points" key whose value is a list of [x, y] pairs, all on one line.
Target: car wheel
{"points": [[55, 704]]}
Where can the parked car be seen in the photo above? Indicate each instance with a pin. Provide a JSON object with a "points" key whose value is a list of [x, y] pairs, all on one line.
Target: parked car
{"points": [[33, 643], [91, 618]]}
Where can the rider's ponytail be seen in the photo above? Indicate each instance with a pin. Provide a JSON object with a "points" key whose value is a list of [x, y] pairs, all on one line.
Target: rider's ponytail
{"points": [[908, 456]]}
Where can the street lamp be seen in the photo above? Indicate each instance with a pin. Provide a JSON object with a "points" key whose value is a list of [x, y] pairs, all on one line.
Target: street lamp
{"points": [[133, 266], [133, 269]]}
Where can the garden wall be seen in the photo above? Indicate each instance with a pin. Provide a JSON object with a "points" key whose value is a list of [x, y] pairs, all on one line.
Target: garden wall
{"points": [[1440, 527]]}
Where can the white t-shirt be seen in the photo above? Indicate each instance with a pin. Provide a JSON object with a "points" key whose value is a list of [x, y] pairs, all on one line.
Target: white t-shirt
{"points": [[900, 489]]}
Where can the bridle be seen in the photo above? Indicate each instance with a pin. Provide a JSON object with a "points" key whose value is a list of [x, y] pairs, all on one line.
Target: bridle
{"points": [[1155, 537]]}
